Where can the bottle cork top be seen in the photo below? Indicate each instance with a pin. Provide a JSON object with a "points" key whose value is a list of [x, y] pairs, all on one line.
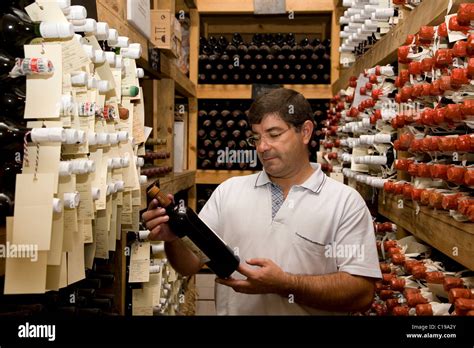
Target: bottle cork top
{"points": [[154, 192]]}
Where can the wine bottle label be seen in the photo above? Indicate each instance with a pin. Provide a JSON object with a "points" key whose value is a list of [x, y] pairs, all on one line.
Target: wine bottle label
{"points": [[31, 66], [194, 248]]}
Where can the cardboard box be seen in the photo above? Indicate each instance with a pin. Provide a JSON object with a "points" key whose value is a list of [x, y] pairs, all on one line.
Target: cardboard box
{"points": [[166, 31]]}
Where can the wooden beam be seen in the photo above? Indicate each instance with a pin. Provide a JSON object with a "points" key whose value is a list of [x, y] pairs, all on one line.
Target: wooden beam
{"points": [[194, 46], [247, 6], [219, 176], [169, 70], [192, 133], [385, 50], [191, 4], [314, 29], [245, 91], [176, 182], [163, 119], [436, 228], [335, 44]]}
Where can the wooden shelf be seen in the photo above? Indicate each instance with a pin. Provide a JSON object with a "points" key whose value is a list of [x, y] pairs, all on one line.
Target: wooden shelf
{"points": [[430, 12], [176, 182], [435, 227], [170, 70], [247, 6], [245, 91], [219, 176]]}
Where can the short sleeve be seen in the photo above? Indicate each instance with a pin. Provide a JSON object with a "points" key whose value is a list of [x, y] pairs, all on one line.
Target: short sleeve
{"points": [[356, 251]]}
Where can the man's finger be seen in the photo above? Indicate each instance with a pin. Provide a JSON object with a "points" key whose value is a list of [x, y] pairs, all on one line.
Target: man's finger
{"points": [[246, 271], [153, 204], [258, 262]]}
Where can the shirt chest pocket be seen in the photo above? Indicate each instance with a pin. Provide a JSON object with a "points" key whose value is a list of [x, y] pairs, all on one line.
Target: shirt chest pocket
{"points": [[309, 252]]}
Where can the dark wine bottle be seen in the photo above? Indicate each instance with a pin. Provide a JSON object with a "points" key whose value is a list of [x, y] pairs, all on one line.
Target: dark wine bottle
{"points": [[195, 234]]}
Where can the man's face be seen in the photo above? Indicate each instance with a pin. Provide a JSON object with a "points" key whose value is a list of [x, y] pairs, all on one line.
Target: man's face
{"points": [[281, 148]]}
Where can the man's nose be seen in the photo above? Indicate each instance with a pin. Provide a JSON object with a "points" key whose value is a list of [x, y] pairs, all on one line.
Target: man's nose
{"points": [[263, 146]]}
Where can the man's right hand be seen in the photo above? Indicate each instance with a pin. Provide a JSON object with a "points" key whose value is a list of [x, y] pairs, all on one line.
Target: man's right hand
{"points": [[156, 220]]}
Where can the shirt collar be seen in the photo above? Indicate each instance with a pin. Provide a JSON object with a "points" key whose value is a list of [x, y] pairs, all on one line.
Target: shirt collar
{"points": [[314, 183]]}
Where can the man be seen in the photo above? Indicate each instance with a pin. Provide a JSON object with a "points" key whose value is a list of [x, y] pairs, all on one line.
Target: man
{"points": [[305, 240]]}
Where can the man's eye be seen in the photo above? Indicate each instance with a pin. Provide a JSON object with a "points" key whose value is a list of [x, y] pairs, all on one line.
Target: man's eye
{"points": [[274, 135]]}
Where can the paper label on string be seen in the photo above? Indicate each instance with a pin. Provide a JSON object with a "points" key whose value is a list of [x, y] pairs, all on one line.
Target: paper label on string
{"points": [[139, 262]]}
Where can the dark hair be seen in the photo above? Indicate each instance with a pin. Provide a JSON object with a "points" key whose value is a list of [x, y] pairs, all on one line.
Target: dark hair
{"points": [[291, 106]]}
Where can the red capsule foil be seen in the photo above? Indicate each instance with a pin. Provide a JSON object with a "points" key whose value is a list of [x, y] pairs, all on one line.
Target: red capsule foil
{"points": [[385, 267], [465, 143], [467, 108], [435, 88], [425, 197], [436, 199], [431, 143], [450, 201], [368, 86], [398, 98], [427, 64], [403, 52], [406, 92], [363, 91], [459, 77], [456, 293], [424, 170], [426, 34], [470, 68], [417, 90], [389, 244], [456, 174], [389, 186], [424, 310], [399, 2], [455, 26], [397, 259], [416, 194], [453, 113], [415, 145], [407, 190], [439, 117], [398, 188], [419, 271], [397, 284], [464, 304], [415, 68], [409, 264], [415, 299], [353, 112], [452, 282], [443, 30], [426, 89], [465, 14], [443, 58], [460, 49], [469, 177], [401, 311], [379, 287], [402, 164], [391, 304], [386, 294], [440, 171], [435, 277], [332, 155], [353, 84], [412, 39], [404, 76], [413, 169], [426, 117], [447, 143], [445, 83]]}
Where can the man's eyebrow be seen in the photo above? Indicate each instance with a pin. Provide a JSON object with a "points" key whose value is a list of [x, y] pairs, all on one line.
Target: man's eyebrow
{"points": [[268, 130]]}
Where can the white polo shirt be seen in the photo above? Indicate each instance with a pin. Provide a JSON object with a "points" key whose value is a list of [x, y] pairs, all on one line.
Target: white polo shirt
{"points": [[322, 227]]}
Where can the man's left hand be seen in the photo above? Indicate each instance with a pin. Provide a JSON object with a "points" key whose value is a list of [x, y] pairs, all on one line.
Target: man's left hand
{"points": [[268, 278]]}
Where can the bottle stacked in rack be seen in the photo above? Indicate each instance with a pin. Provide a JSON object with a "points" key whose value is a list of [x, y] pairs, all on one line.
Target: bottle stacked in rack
{"points": [[203, 193], [267, 58]]}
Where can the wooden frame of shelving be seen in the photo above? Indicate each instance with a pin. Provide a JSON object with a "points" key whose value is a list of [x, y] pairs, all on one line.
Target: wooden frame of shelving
{"points": [[384, 51], [435, 227]]}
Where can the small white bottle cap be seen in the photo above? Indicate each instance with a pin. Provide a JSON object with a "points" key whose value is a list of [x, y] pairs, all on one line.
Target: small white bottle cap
{"points": [[116, 162], [143, 179], [157, 248], [65, 168], [63, 4], [55, 134], [123, 41], [79, 167], [79, 78], [112, 37], [143, 235], [382, 160], [140, 161], [92, 138], [119, 186], [77, 22], [90, 166], [155, 268], [71, 199], [89, 27], [57, 205], [111, 58], [99, 57], [95, 192], [92, 83], [140, 73], [53, 30], [77, 12], [102, 31], [119, 62], [131, 52], [72, 136], [383, 138], [77, 37], [125, 162], [122, 136], [110, 189], [110, 163], [113, 138], [103, 86], [103, 138]]}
